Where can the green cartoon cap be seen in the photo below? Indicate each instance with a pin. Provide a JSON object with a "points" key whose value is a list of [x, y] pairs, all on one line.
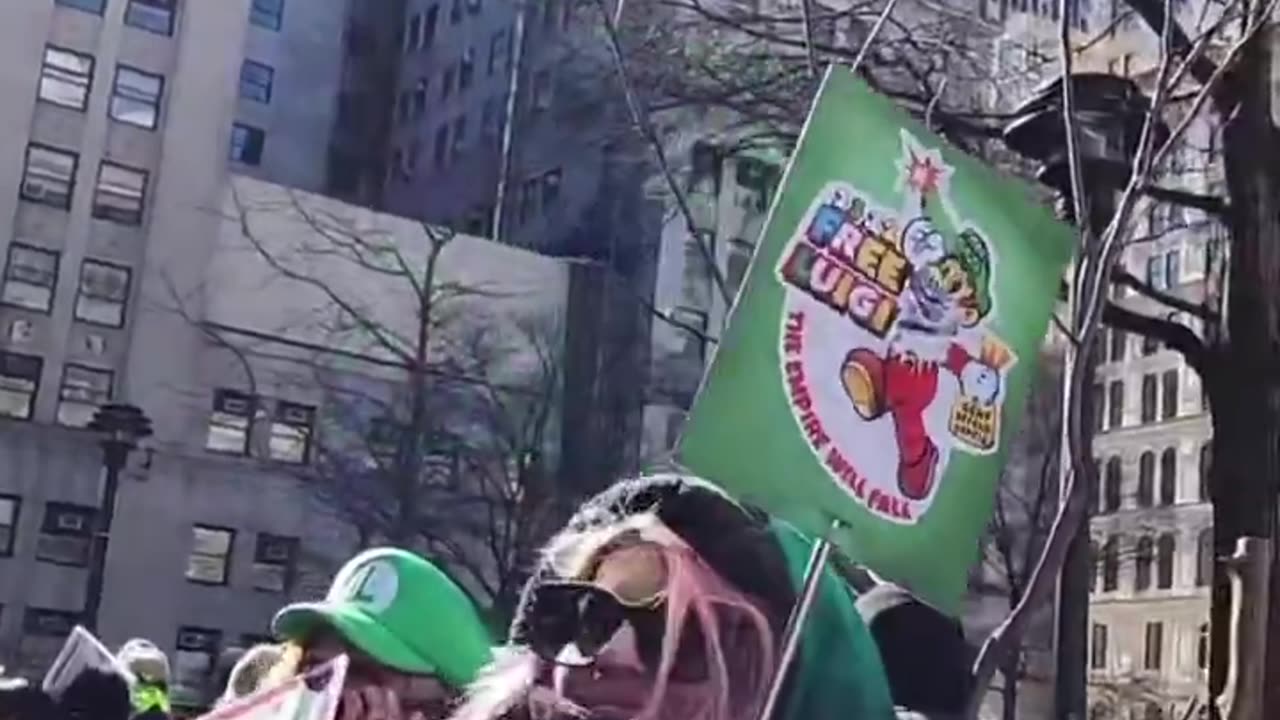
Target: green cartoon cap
{"points": [[971, 251], [402, 611]]}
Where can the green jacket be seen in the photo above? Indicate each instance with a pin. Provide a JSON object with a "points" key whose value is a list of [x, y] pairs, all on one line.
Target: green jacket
{"points": [[837, 673]]}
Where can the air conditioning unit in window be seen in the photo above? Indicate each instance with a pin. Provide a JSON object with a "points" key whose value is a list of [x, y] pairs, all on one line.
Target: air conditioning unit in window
{"points": [[190, 640], [70, 549], [20, 331], [275, 552], [206, 569], [34, 191], [297, 415], [71, 521], [270, 577]]}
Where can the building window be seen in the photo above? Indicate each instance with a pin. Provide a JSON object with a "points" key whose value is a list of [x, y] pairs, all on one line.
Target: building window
{"points": [[1149, 346], [440, 154], [291, 430], [403, 107], [1143, 558], [19, 383], [135, 97], [542, 90], [83, 391], [695, 343], [1093, 566], [446, 83], [1168, 476], [1153, 647], [1097, 407], [229, 424], [1169, 395], [66, 533], [152, 15], [104, 293], [466, 69], [44, 631], [528, 200], [1148, 398], [93, 6], [740, 252], [1202, 646], [49, 176], [246, 144], [210, 558], [274, 558], [121, 194], [1111, 487], [1155, 271], [1206, 467], [66, 77], [30, 278], [1165, 550], [412, 33], [429, 27], [10, 506], [489, 117], [459, 135], [193, 664], [497, 52], [1119, 340], [1173, 258], [1146, 479], [1204, 557], [550, 189], [267, 14], [1111, 564], [1115, 404], [1098, 647], [455, 12], [420, 98], [1095, 488], [256, 80]]}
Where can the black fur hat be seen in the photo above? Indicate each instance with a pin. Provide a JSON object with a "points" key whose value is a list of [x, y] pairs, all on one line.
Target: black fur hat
{"points": [[733, 539]]}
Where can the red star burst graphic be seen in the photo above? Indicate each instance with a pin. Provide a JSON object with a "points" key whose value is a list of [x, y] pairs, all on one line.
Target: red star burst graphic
{"points": [[923, 175]]}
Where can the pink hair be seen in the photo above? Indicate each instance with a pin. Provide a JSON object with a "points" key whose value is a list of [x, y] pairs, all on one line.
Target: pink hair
{"points": [[696, 590]]}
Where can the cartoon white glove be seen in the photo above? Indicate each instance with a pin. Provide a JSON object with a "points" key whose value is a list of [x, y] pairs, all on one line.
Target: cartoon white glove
{"points": [[980, 382]]}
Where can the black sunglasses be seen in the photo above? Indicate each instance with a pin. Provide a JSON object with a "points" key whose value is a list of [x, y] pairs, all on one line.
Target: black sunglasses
{"points": [[563, 613]]}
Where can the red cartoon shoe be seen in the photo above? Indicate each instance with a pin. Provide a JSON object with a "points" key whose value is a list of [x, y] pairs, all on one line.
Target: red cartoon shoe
{"points": [[916, 477], [863, 378]]}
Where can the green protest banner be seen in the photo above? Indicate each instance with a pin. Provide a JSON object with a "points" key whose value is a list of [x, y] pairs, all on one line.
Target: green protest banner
{"points": [[877, 361]]}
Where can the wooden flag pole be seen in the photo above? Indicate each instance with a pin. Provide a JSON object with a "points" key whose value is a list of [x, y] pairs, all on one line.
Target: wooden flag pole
{"points": [[813, 570]]}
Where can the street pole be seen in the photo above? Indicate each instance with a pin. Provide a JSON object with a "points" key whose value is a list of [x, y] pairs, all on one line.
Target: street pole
{"points": [[114, 456], [510, 114], [119, 428]]}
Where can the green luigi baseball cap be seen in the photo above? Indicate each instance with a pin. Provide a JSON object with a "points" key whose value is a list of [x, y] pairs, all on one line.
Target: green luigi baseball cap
{"points": [[402, 611]]}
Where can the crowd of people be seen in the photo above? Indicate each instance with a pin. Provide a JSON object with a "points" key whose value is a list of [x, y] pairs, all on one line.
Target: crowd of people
{"points": [[661, 599]]}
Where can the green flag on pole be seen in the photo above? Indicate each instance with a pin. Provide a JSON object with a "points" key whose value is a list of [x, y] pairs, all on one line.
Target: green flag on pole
{"points": [[878, 358]]}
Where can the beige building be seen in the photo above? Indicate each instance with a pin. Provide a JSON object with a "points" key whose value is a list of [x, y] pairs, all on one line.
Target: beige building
{"points": [[1151, 528], [123, 121]]}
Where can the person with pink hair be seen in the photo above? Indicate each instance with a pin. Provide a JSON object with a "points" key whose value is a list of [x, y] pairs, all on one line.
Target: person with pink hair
{"points": [[664, 599]]}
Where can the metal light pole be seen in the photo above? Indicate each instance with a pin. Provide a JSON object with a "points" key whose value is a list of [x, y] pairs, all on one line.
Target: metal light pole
{"points": [[1109, 112], [120, 428]]}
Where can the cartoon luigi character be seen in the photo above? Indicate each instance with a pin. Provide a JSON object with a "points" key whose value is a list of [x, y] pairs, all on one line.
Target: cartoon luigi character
{"points": [[948, 289]]}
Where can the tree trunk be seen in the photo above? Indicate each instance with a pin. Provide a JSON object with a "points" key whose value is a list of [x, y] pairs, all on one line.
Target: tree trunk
{"points": [[1244, 367]]}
